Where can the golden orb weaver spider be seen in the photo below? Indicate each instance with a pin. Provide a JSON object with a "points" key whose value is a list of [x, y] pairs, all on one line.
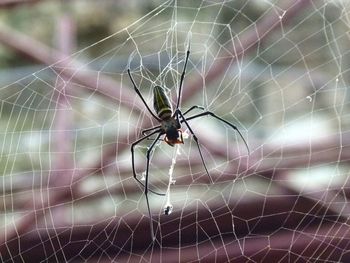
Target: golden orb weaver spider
{"points": [[170, 126]]}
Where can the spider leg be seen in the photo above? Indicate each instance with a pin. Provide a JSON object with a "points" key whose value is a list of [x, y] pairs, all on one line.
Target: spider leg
{"points": [[196, 140], [192, 108], [149, 151], [149, 129], [133, 158], [140, 95], [220, 119], [182, 79]]}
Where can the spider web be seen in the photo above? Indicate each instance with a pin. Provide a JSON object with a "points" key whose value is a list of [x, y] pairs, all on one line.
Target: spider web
{"points": [[278, 70]]}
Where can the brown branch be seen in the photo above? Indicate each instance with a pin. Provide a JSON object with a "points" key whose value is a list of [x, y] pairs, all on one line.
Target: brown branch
{"points": [[266, 159], [14, 3], [270, 222], [61, 137], [328, 243], [68, 68], [63, 157], [246, 42]]}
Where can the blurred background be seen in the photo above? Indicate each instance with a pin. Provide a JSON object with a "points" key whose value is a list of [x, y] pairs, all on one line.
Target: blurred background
{"points": [[278, 70]]}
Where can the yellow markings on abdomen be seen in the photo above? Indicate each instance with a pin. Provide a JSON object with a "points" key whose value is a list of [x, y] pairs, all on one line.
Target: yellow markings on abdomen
{"points": [[161, 103]]}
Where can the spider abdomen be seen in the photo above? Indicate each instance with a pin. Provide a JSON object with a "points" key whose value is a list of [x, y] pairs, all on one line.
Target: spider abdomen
{"points": [[161, 103]]}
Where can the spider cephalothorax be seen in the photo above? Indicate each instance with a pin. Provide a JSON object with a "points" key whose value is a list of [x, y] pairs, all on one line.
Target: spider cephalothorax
{"points": [[170, 127]]}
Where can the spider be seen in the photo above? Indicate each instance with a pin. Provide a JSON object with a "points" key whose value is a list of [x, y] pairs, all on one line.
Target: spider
{"points": [[169, 125]]}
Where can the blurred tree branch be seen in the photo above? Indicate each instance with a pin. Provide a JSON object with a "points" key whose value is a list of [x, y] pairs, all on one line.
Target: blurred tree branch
{"points": [[13, 3], [272, 233]]}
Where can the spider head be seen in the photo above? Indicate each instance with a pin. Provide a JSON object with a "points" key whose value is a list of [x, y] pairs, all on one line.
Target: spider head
{"points": [[171, 128], [173, 136]]}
